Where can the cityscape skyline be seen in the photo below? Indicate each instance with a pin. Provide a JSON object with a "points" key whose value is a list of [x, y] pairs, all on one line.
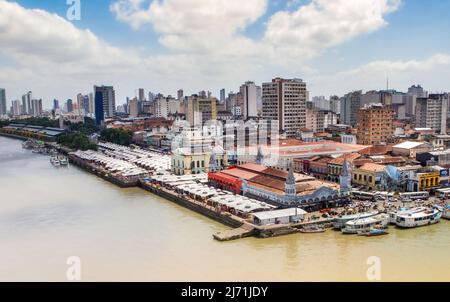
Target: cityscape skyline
{"points": [[127, 52]]}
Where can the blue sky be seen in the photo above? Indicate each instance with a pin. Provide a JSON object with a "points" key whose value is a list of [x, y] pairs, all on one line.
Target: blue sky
{"points": [[160, 57]]}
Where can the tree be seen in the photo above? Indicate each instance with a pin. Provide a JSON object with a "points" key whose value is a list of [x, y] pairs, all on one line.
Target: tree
{"points": [[117, 136], [77, 141]]}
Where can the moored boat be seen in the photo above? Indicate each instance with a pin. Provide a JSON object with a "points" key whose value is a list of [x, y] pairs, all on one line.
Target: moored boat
{"points": [[393, 214], [413, 220], [312, 229], [356, 226], [340, 222], [446, 212], [55, 161], [63, 161], [374, 233]]}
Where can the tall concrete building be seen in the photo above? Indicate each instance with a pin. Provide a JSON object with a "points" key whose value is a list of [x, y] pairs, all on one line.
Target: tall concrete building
{"points": [[335, 104], [431, 112], [105, 103], [2, 101], [284, 101], [350, 104], [26, 102], [222, 95], [133, 109], [200, 110], [55, 104], [141, 95], [414, 92], [375, 124], [69, 105], [16, 108], [36, 107], [251, 97], [164, 106], [180, 94]]}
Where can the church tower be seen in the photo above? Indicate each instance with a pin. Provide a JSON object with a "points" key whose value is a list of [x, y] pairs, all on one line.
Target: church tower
{"points": [[290, 184], [345, 179]]}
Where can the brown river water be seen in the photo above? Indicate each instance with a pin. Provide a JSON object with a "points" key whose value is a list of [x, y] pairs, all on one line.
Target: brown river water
{"points": [[49, 214]]}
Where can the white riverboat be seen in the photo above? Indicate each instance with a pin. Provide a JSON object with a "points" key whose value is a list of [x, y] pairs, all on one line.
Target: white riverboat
{"points": [[364, 225], [393, 214], [413, 220], [446, 213], [63, 161], [55, 161], [340, 222]]}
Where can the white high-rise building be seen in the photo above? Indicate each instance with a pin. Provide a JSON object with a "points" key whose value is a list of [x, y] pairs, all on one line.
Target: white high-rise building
{"points": [[26, 103], [284, 101], [251, 99], [164, 106], [431, 112], [16, 108]]}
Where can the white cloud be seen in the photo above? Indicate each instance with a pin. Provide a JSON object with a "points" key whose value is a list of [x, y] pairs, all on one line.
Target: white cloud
{"points": [[205, 40], [321, 24], [432, 73]]}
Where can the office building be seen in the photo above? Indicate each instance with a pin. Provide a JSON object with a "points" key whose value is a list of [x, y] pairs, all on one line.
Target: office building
{"points": [[414, 92], [251, 97], [2, 101], [105, 103], [431, 112], [141, 95], [200, 110], [284, 101], [350, 104], [375, 124], [222, 95], [180, 94], [26, 102], [16, 108]]}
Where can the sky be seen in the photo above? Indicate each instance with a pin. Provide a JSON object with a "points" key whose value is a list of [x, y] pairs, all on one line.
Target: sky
{"points": [[335, 46]]}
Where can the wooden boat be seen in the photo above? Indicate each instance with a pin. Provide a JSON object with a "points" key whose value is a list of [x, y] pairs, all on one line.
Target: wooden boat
{"points": [[356, 226], [312, 229], [374, 233]]}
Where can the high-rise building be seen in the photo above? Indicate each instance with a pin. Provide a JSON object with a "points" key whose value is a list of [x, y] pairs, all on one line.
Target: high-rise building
{"points": [[141, 95], [431, 112], [335, 104], [69, 105], [222, 95], [180, 94], [317, 120], [284, 101], [26, 103], [16, 108], [105, 103], [2, 101], [414, 92], [36, 107], [350, 104], [251, 97], [91, 103], [375, 124], [133, 107], [320, 102], [200, 110], [55, 104], [164, 106]]}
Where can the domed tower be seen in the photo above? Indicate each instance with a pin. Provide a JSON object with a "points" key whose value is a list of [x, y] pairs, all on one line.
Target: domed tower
{"points": [[290, 184], [345, 179]]}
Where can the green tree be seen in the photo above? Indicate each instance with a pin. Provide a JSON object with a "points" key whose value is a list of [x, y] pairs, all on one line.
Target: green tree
{"points": [[117, 136]]}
